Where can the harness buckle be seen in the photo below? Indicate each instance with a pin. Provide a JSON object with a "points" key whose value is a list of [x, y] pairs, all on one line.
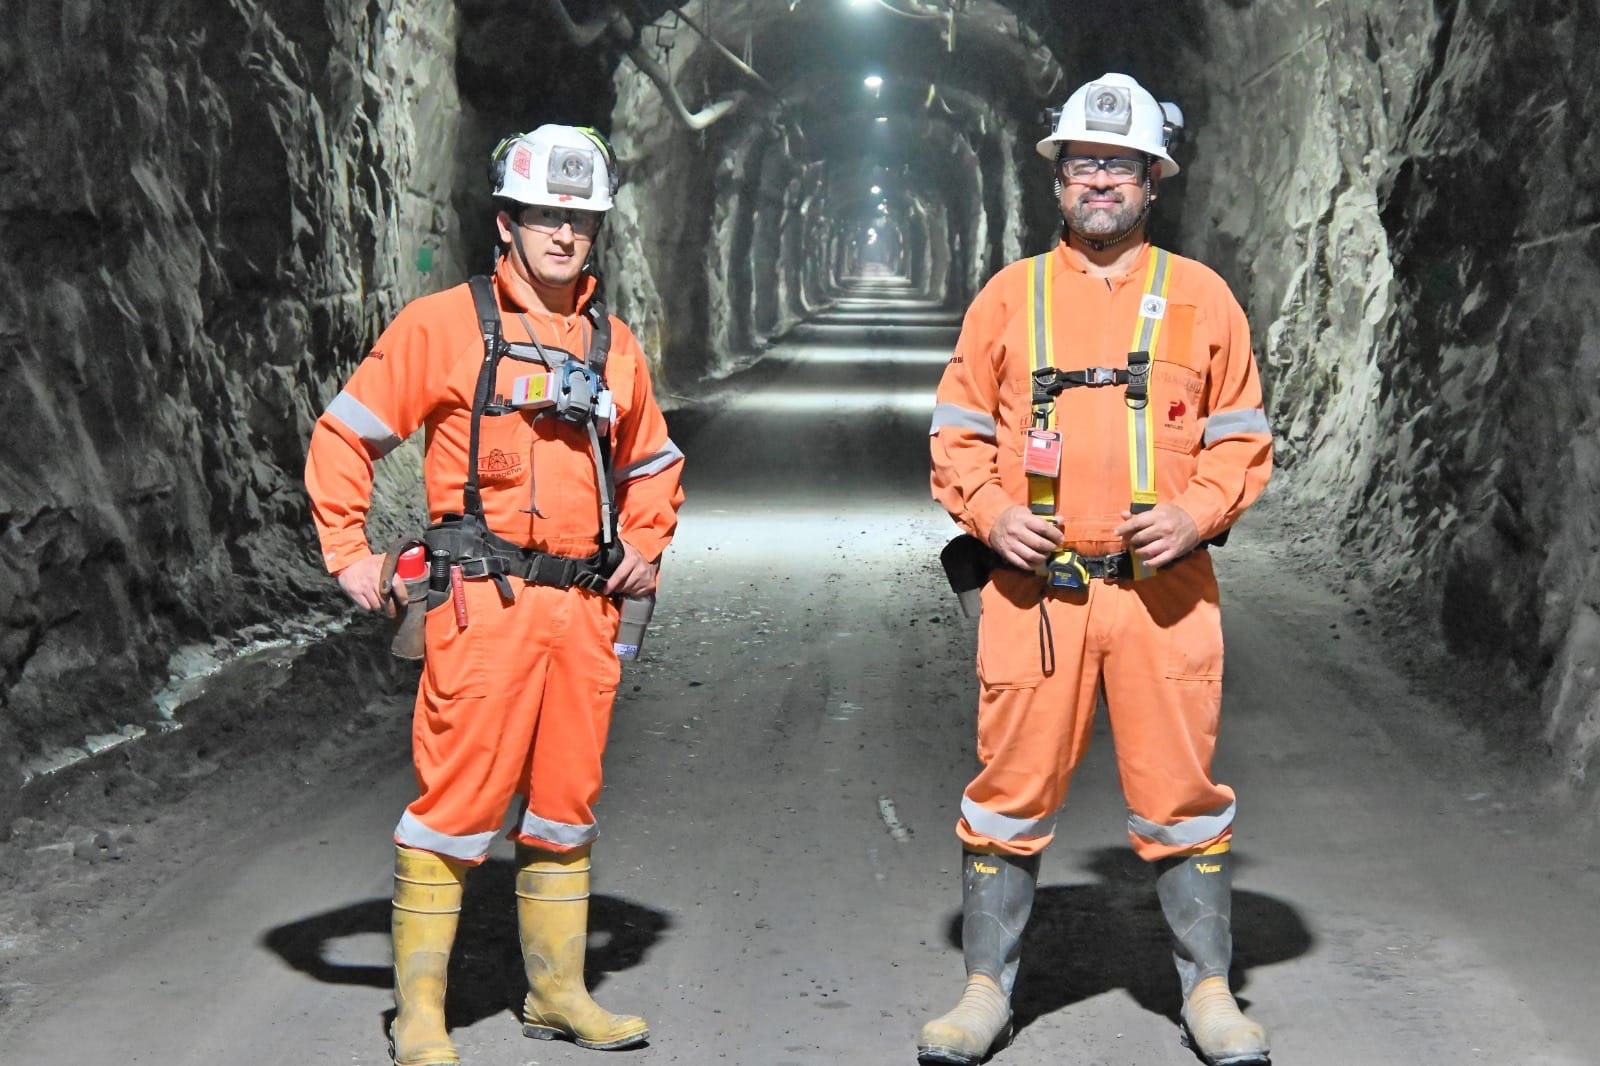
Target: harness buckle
{"points": [[480, 567], [1096, 376], [1047, 383]]}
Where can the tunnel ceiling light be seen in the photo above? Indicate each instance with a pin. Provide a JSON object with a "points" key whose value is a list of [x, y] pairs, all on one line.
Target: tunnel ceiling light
{"points": [[873, 82], [881, 119], [876, 190]]}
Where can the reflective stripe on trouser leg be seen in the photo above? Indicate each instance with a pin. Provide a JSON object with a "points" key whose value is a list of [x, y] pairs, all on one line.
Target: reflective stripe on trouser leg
{"points": [[563, 776], [479, 710], [1163, 683], [1032, 729]]}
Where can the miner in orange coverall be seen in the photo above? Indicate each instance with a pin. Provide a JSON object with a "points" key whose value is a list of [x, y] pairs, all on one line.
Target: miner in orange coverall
{"points": [[553, 488], [1094, 481]]}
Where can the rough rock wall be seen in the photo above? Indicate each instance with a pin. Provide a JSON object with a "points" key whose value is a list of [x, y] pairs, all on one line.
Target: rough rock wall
{"points": [[1423, 283], [657, 237], [207, 212]]}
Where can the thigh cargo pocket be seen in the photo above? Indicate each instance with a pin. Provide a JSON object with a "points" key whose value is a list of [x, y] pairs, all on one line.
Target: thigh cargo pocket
{"points": [[1009, 654], [454, 666]]}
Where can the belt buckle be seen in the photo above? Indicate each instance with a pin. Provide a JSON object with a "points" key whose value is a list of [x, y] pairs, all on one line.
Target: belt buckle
{"points": [[1113, 566], [589, 581], [474, 567]]}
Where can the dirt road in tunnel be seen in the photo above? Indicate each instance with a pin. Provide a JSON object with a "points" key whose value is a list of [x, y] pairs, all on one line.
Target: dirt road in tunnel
{"points": [[776, 881]]}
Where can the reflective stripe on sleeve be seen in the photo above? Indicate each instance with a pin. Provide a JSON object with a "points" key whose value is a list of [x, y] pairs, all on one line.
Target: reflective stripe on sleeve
{"points": [[950, 415], [568, 836], [1187, 833], [1004, 827], [413, 834], [1227, 423], [650, 464], [377, 436]]}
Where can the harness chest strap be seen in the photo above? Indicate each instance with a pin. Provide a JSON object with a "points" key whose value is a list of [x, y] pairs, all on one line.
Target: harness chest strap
{"points": [[482, 552], [1141, 425]]}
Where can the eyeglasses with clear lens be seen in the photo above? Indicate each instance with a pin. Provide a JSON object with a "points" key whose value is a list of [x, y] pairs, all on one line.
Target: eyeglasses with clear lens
{"points": [[551, 219], [1085, 167]]}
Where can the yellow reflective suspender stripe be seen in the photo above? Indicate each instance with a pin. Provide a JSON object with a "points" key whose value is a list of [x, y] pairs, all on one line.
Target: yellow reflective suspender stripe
{"points": [[1141, 419], [1041, 349]]}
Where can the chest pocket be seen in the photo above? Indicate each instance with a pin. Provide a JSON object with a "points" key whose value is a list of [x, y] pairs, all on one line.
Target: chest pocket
{"points": [[505, 434], [1177, 380]]}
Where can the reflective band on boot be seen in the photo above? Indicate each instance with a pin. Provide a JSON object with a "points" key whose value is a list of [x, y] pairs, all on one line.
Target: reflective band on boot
{"points": [[427, 906], [1196, 893], [553, 919], [996, 898], [1216, 1028]]}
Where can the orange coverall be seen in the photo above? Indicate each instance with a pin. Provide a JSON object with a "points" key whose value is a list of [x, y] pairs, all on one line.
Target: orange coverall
{"points": [[1156, 644], [518, 702]]}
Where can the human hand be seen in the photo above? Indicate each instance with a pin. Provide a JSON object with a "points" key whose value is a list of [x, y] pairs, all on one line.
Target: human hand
{"points": [[1023, 538], [1164, 534], [634, 576], [361, 580]]}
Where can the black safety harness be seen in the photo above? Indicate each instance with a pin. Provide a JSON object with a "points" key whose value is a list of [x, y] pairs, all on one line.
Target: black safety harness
{"points": [[465, 541]]}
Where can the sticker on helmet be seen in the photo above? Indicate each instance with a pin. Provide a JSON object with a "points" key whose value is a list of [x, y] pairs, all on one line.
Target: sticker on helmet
{"points": [[522, 162]]}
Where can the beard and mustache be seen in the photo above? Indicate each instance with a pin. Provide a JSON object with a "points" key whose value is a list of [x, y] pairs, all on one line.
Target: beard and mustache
{"points": [[1100, 218]]}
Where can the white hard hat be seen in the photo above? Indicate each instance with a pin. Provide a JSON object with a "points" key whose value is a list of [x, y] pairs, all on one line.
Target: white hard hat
{"points": [[555, 166], [1115, 109]]}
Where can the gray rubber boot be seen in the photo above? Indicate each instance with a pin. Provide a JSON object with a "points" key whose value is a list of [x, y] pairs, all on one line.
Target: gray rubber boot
{"points": [[1196, 894], [996, 897]]}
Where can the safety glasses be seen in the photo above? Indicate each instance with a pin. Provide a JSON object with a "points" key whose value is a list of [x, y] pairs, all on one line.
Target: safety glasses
{"points": [[1121, 168], [550, 219]]}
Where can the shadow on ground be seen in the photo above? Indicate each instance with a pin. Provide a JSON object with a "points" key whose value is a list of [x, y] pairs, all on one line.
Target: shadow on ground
{"points": [[486, 975], [1083, 940]]}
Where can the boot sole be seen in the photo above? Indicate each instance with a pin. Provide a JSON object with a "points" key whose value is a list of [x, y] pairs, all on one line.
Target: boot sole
{"points": [[545, 1032], [1250, 1058], [946, 1056], [394, 1059]]}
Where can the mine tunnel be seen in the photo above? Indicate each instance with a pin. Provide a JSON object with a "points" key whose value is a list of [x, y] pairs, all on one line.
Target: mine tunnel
{"points": [[211, 212]]}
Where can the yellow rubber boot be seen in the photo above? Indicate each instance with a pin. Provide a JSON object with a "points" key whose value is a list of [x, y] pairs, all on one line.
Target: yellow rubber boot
{"points": [[980, 1021], [553, 919], [1219, 1030], [427, 906]]}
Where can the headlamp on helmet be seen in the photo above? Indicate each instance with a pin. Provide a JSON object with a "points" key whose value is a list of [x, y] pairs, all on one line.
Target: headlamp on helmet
{"points": [[1108, 109], [555, 166], [571, 172]]}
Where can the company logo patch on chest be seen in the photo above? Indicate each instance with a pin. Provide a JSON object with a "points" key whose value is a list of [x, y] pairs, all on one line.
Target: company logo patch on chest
{"points": [[500, 466]]}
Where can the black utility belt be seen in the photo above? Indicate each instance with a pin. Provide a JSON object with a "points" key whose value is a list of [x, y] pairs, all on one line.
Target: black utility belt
{"points": [[1108, 567], [1069, 569], [538, 568], [464, 544]]}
